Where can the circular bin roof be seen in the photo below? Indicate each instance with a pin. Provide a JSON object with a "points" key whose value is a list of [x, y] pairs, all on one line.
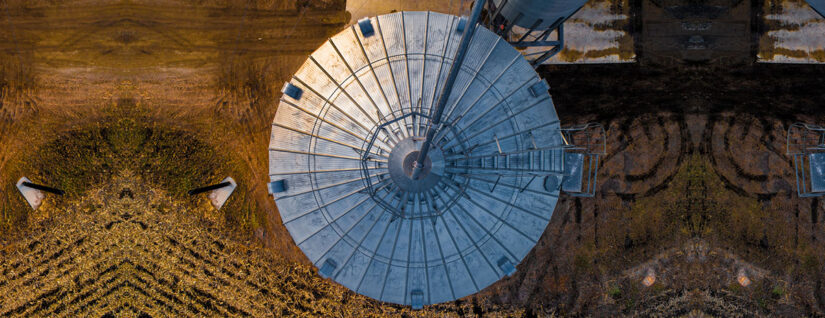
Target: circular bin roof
{"points": [[354, 115]]}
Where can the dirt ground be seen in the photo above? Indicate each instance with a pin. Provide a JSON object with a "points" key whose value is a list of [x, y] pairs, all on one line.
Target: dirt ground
{"points": [[206, 69], [696, 156], [695, 188]]}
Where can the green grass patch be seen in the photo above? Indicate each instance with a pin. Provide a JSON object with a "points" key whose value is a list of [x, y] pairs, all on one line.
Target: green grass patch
{"points": [[777, 292], [614, 291]]}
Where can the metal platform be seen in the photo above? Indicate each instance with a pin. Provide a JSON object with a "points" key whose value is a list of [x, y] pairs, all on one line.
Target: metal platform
{"points": [[817, 167], [573, 172], [806, 146], [585, 145], [527, 24], [346, 134]]}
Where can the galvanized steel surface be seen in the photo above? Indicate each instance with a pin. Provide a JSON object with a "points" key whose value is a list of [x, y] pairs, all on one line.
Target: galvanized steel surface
{"points": [[538, 14], [817, 167], [338, 149]]}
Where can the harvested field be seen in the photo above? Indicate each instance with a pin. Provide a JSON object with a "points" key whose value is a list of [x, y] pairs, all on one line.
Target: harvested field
{"points": [[127, 105], [127, 250], [207, 70]]}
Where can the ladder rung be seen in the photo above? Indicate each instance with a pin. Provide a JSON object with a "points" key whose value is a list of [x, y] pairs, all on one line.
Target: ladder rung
{"points": [[541, 160], [530, 160]]}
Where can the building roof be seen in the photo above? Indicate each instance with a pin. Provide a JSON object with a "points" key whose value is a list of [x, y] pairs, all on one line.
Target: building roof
{"points": [[351, 119]]}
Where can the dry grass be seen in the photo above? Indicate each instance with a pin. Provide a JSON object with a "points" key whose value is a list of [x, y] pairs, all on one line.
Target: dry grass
{"points": [[193, 103], [17, 85], [185, 103], [172, 261], [270, 4], [78, 159]]}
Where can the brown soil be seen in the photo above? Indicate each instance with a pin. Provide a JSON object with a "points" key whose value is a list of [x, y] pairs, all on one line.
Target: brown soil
{"points": [[695, 185], [127, 250], [209, 69], [694, 153]]}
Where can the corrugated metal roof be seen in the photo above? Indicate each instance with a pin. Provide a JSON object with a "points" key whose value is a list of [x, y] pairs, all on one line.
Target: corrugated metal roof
{"points": [[352, 117]]}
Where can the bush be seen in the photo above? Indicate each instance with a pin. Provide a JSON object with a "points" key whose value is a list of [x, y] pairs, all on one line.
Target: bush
{"points": [[777, 292], [614, 292]]}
